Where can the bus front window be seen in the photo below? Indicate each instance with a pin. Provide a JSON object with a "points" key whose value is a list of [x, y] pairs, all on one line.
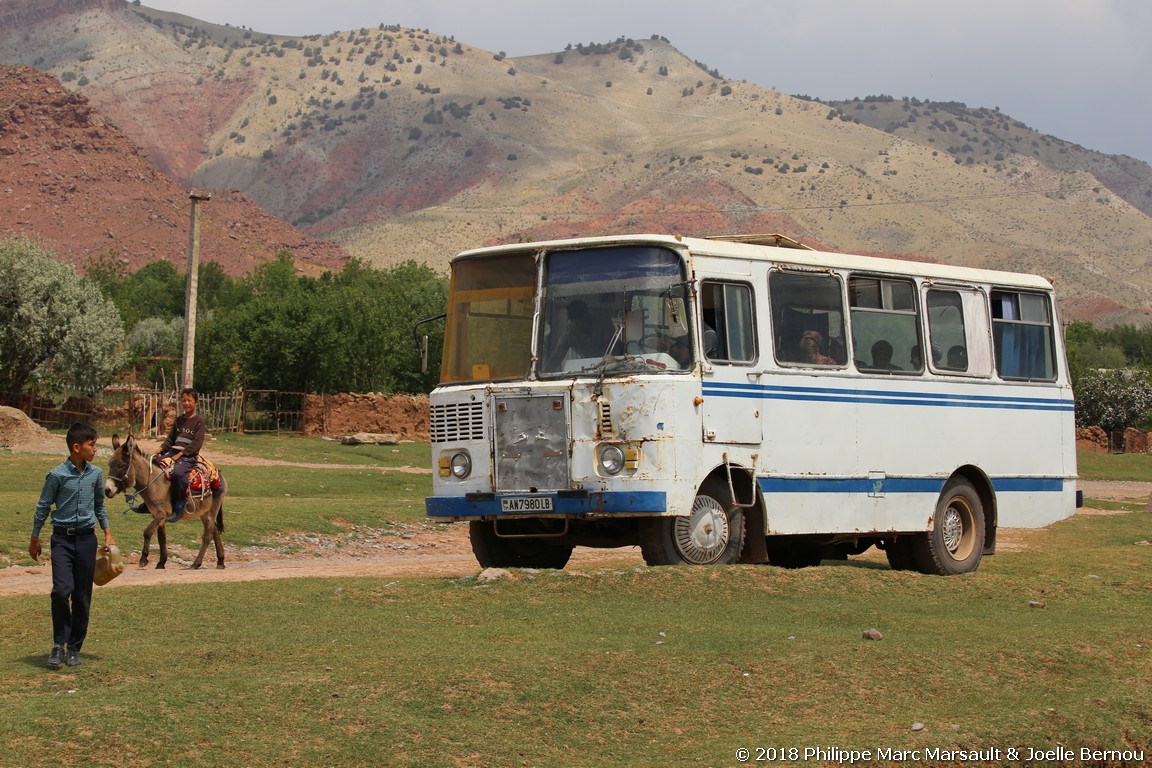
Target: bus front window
{"points": [[489, 326], [614, 310]]}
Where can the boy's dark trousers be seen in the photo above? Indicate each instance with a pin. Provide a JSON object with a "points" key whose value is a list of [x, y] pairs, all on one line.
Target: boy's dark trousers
{"points": [[73, 566], [180, 470]]}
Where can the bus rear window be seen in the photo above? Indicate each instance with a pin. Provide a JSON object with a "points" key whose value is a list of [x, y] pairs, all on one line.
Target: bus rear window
{"points": [[1022, 334]]}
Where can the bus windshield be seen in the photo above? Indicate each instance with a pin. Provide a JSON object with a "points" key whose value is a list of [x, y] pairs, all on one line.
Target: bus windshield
{"points": [[617, 309], [489, 327]]}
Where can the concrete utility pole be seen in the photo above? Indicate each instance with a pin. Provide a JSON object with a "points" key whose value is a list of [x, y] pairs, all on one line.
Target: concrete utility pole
{"points": [[190, 289]]}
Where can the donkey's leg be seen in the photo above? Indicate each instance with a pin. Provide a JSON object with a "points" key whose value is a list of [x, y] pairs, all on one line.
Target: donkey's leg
{"points": [[162, 541], [151, 529], [204, 541], [219, 544]]}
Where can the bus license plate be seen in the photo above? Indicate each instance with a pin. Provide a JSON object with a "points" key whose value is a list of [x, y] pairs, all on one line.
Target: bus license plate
{"points": [[526, 504]]}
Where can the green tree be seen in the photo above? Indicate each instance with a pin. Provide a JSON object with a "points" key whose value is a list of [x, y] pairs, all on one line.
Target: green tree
{"points": [[1114, 399], [1089, 349], [345, 332], [54, 325]]}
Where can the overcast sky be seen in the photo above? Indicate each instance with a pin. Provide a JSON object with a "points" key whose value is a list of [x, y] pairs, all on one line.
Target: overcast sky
{"points": [[1080, 70]]}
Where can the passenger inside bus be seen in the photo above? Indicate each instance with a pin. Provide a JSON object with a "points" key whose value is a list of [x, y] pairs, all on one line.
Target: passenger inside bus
{"points": [[957, 358], [810, 353], [584, 335], [882, 356]]}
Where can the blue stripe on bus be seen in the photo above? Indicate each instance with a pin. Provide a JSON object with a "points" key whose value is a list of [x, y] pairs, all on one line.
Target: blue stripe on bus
{"points": [[899, 485], [1027, 484], [850, 484], [885, 397], [608, 502]]}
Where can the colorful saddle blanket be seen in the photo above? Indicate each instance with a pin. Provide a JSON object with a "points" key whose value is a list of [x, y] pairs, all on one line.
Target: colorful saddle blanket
{"points": [[204, 479]]}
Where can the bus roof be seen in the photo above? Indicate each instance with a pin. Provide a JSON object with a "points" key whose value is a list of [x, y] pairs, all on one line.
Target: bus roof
{"points": [[780, 249]]}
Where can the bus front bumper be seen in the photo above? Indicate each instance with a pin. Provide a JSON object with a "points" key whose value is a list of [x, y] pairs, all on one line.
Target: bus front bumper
{"points": [[555, 504]]}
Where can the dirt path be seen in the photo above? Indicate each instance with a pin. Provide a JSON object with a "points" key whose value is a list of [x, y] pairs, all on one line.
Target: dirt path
{"points": [[421, 551], [447, 554]]}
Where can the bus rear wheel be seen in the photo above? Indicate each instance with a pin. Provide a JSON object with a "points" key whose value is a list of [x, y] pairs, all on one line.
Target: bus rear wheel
{"points": [[494, 551], [956, 541], [711, 534]]}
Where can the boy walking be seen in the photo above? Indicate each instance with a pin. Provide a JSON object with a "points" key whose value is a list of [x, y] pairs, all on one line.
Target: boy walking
{"points": [[74, 496]]}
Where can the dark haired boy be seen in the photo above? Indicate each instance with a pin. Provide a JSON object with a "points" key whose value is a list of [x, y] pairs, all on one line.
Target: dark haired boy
{"points": [[74, 496], [182, 447]]}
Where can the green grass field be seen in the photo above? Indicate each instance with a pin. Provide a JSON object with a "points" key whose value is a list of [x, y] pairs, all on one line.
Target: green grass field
{"points": [[603, 667]]}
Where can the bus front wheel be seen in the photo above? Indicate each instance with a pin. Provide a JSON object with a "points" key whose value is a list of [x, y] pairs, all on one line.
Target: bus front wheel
{"points": [[956, 541], [494, 551], [711, 534]]}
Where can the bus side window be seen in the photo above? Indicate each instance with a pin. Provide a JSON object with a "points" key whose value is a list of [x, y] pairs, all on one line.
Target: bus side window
{"points": [[807, 319], [946, 331], [958, 332], [727, 333], [1023, 336], [885, 324]]}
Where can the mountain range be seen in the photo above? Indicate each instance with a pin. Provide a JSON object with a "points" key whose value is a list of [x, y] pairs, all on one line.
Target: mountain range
{"points": [[397, 143]]}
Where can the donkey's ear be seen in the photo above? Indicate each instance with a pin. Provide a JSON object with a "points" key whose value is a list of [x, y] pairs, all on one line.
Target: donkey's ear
{"points": [[129, 443], [115, 442]]}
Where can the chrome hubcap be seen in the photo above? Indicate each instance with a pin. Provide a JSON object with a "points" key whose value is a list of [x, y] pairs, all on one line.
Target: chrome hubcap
{"points": [[703, 535], [957, 529]]}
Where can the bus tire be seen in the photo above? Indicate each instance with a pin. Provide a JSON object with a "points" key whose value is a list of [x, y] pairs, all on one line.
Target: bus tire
{"points": [[492, 551], [956, 541], [901, 552], [788, 552], [711, 534]]}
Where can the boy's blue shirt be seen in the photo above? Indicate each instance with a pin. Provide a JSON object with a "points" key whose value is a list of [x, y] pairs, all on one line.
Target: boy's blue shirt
{"points": [[74, 498]]}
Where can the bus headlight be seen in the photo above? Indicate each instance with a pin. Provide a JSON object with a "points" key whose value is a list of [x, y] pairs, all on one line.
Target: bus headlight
{"points": [[461, 465], [611, 459]]}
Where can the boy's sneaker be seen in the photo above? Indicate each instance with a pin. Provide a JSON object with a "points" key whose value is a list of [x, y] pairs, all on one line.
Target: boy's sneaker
{"points": [[73, 657], [56, 658]]}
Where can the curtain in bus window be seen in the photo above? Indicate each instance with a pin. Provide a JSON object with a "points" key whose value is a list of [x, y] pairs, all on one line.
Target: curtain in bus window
{"points": [[1022, 336], [976, 333]]}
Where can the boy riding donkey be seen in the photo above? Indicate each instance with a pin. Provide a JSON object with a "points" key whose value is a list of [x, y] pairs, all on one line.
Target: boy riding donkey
{"points": [[181, 449]]}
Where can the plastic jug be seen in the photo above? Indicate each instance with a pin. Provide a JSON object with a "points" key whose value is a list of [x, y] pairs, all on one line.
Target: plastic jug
{"points": [[109, 564]]}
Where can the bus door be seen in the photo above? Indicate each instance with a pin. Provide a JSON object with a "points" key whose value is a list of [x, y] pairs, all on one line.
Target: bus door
{"points": [[731, 377]]}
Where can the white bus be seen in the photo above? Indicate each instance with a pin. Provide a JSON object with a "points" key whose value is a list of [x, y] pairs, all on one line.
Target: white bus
{"points": [[746, 399]]}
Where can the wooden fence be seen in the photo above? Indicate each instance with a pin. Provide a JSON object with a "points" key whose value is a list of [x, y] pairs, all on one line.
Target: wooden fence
{"points": [[149, 412]]}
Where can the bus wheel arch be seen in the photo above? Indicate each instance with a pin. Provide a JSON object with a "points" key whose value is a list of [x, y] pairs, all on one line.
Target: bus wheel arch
{"points": [[712, 533], [956, 540], [983, 485]]}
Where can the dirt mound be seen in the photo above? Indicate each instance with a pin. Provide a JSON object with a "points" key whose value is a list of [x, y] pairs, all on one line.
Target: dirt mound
{"points": [[20, 433]]}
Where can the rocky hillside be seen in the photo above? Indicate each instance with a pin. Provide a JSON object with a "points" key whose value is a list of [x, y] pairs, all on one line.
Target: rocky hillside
{"points": [[986, 137], [73, 181], [403, 143]]}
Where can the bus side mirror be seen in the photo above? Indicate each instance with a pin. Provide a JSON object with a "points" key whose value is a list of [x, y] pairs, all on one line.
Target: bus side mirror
{"points": [[422, 341]]}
